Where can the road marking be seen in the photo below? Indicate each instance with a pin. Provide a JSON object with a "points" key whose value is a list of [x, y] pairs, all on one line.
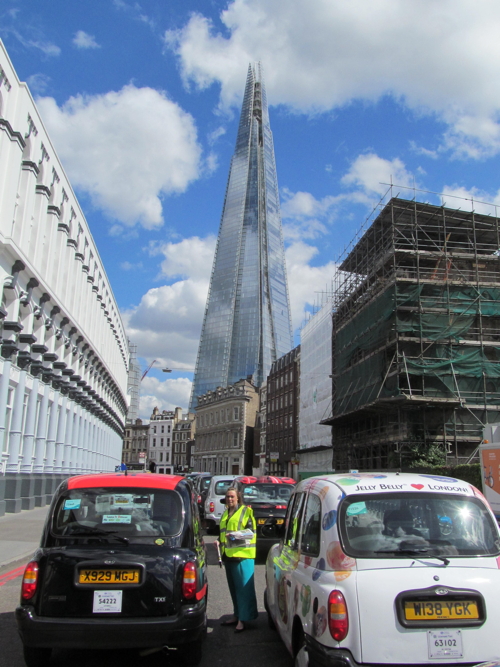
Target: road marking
{"points": [[8, 576]]}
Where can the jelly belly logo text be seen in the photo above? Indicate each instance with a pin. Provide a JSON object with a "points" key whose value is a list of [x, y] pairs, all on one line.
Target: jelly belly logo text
{"points": [[380, 487]]}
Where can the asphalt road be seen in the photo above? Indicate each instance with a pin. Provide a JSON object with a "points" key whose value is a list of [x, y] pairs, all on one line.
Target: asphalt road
{"points": [[258, 645]]}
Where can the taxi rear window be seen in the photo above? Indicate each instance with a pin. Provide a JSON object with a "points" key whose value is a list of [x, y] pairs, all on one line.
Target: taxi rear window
{"points": [[222, 486], [129, 512], [402, 525], [266, 492]]}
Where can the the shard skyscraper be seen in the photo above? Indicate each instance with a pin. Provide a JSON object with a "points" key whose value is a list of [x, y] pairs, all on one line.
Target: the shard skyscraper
{"points": [[247, 317]]}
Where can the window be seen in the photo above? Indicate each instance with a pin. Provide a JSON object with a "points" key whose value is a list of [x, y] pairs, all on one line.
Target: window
{"points": [[169, 428], [154, 429], [311, 536], [161, 442], [154, 442], [293, 521], [163, 429], [236, 413], [236, 439], [161, 457]]}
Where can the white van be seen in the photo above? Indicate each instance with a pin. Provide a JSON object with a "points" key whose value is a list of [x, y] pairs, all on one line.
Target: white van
{"points": [[215, 501], [386, 569]]}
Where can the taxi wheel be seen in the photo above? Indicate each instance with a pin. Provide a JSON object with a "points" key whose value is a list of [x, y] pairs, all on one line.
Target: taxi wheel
{"points": [[300, 653], [302, 658], [191, 654], [36, 657], [270, 622]]}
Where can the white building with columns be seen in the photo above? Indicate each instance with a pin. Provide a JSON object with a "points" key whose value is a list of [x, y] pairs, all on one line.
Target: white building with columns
{"points": [[63, 350]]}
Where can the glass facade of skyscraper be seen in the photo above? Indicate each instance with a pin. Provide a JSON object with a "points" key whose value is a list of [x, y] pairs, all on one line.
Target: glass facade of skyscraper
{"points": [[247, 318]]}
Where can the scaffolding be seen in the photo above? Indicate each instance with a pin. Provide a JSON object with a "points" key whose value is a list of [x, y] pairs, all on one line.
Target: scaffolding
{"points": [[416, 344]]}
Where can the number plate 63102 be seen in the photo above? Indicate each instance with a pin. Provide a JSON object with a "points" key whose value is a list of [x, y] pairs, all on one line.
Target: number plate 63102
{"points": [[444, 644]]}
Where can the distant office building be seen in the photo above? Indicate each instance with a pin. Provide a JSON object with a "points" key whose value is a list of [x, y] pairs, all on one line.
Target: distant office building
{"points": [[183, 443], [135, 444], [161, 427], [282, 433], [247, 318], [63, 353], [225, 425]]}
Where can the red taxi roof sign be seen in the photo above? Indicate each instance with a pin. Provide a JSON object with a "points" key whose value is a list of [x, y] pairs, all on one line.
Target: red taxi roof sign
{"points": [[119, 479]]}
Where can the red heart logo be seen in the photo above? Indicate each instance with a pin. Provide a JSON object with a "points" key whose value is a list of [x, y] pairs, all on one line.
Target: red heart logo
{"points": [[418, 486]]}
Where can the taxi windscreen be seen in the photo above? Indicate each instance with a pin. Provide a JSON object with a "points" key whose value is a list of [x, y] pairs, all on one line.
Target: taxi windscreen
{"points": [[399, 525], [128, 512], [267, 492]]}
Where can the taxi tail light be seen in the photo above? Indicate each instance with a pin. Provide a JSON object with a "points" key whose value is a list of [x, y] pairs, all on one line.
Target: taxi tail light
{"points": [[199, 500], [211, 508], [281, 507], [338, 620], [189, 583], [30, 580]]}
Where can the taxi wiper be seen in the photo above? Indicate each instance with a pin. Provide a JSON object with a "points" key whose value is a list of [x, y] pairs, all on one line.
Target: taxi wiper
{"points": [[414, 552], [86, 531]]}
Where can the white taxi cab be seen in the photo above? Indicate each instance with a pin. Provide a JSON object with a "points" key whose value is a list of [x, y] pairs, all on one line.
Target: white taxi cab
{"points": [[386, 569]]}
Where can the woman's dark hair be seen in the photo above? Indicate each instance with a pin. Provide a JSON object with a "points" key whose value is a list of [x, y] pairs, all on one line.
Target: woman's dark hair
{"points": [[239, 495]]}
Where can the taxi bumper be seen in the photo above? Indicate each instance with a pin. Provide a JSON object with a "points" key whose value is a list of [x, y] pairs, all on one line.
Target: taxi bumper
{"points": [[111, 633]]}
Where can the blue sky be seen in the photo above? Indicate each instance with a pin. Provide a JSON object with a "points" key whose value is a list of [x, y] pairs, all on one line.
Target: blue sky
{"points": [[142, 101]]}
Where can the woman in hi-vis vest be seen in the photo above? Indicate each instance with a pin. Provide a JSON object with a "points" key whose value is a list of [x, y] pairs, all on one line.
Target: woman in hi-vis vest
{"points": [[237, 543]]}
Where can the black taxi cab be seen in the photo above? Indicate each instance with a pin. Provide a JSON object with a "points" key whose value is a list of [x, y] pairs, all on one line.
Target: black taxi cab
{"points": [[268, 497], [121, 564]]}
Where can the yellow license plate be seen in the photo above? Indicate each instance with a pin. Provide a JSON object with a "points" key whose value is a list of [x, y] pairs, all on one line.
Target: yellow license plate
{"points": [[280, 521], [109, 577], [456, 610], [261, 521]]}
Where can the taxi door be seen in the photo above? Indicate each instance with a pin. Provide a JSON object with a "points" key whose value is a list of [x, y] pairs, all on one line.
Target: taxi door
{"points": [[284, 566]]}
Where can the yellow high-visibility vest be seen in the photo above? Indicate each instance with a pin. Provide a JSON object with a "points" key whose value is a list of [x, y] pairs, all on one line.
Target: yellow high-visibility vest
{"points": [[241, 519]]}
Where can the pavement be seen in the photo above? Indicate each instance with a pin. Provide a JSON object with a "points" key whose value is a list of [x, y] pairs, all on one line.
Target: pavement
{"points": [[20, 534]]}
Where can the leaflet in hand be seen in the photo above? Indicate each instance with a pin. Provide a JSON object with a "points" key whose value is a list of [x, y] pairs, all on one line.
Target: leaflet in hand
{"points": [[246, 534]]}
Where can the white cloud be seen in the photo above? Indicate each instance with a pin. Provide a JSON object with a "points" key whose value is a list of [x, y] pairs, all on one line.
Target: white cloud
{"points": [[192, 257], [127, 149], [38, 83], [455, 196], [166, 325], [166, 395], [130, 266], [47, 48], [304, 280], [372, 174], [83, 40], [441, 58]]}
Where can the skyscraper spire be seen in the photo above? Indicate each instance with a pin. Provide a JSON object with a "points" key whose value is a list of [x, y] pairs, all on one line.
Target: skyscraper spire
{"points": [[247, 317]]}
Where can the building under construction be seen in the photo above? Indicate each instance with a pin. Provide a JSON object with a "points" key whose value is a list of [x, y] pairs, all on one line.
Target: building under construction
{"points": [[416, 342]]}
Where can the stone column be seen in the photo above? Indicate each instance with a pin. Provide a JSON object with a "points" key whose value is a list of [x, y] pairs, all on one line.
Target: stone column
{"points": [[8, 348], [66, 465]]}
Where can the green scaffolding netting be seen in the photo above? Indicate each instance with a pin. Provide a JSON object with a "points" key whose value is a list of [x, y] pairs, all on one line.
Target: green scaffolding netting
{"points": [[451, 366]]}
